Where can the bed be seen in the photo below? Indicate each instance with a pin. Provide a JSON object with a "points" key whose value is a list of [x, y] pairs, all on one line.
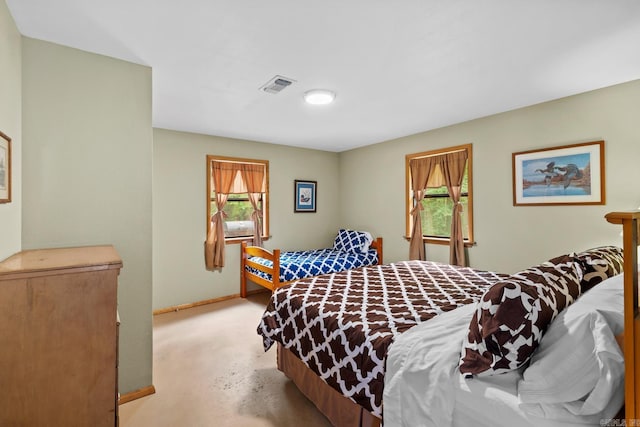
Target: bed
{"points": [[334, 332], [312, 320], [351, 249]]}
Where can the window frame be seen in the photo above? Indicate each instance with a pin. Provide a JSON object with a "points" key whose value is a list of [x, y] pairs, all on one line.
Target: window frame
{"points": [[265, 195], [468, 242]]}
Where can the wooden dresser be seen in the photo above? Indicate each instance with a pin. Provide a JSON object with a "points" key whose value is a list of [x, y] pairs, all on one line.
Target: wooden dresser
{"points": [[58, 337]]}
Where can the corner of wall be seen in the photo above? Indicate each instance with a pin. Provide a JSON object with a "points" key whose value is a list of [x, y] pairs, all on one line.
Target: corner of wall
{"points": [[11, 125]]}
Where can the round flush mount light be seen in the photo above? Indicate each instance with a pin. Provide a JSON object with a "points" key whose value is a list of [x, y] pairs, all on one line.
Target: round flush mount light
{"points": [[319, 97]]}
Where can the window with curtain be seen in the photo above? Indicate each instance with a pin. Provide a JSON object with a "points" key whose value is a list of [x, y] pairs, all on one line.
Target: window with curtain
{"points": [[237, 205], [238, 223], [437, 204]]}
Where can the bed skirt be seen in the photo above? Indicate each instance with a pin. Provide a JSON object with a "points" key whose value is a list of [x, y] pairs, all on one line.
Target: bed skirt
{"points": [[341, 411]]}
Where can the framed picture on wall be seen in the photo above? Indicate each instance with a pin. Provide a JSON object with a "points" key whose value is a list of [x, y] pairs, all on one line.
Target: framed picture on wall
{"points": [[563, 175], [5, 168], [304, 196]]}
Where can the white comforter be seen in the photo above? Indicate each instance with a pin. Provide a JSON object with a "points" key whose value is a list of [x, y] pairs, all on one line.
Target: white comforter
{"points": [[423, 386]]}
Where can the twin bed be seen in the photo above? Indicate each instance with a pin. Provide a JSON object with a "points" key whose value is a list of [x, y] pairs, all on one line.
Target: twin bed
{"points": [[334, 332], [273, 269]]}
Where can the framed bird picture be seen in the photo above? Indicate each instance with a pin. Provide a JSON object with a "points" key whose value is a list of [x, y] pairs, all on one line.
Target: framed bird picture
{"points": [[563, 175]]}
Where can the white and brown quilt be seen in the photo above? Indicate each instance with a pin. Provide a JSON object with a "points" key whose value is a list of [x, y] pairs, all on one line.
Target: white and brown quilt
{"points": [[341, 325]]}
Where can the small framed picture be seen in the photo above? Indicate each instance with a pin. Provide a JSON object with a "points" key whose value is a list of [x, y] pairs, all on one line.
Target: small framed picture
{"points": [[564, 175], [5, 168], [305, 193]]}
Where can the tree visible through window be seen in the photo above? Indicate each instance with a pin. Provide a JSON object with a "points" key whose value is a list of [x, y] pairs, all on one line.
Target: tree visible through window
{"points": [[437, 210]]}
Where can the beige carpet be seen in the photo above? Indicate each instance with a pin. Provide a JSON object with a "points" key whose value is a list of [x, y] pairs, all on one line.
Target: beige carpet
{"points": [[209, 369]]}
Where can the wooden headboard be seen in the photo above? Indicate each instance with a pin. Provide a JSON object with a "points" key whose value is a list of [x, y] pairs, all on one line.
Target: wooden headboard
{"points": [[630, 222]]}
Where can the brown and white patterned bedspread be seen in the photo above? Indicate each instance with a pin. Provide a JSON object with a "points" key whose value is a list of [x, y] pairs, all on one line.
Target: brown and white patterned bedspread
{"points": [[341, 325]]}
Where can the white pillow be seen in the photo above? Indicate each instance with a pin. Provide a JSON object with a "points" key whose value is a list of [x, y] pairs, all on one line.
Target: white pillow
{"points": [[578, 365]]}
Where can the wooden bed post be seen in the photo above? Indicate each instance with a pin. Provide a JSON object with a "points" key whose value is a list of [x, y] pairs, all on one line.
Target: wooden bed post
{"points": [[378, 247], [275, 276], [631, 341], [243, 278]]}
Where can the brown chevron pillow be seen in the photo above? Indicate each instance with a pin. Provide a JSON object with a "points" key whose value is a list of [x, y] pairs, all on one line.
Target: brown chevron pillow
{"points": [[599, 264], [513, 314]]}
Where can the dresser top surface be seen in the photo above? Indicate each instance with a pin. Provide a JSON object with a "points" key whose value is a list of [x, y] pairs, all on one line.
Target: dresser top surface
{"points": [[92, 257]]}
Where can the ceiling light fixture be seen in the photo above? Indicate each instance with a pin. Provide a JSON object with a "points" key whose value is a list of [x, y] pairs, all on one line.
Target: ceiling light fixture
{"points": [[319, 97]]}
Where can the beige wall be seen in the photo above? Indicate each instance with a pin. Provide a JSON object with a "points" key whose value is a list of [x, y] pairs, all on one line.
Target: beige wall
{"points": [[179, 209], [87, 174], [509, 238], [10, 125]]}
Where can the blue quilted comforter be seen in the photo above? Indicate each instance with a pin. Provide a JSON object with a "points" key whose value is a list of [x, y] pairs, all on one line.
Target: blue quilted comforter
{"points": [[300, 264]]}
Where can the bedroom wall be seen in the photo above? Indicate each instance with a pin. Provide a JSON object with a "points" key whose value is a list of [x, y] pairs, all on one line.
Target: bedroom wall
{"points": [[508, 238], [11, 125], [179, 207], [87, 175]]}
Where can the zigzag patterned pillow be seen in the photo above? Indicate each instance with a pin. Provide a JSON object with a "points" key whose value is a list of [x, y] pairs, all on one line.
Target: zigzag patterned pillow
{"points": [[599, 264], [352, 241], [513, 314]]}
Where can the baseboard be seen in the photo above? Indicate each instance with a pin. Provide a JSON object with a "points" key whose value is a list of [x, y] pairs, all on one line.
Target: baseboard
{"points": [[205, 302], [136, 394], [258, 291]]}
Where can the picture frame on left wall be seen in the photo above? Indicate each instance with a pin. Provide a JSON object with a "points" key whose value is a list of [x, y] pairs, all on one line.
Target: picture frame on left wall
{"points": [[5, 168]]}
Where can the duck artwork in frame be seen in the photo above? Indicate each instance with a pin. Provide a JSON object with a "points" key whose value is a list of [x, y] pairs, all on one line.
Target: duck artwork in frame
{"points": [[564, 175], [5, 168], [304, 193]]}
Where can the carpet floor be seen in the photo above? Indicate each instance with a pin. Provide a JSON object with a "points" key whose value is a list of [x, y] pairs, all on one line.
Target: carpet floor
{"points": [[209, 369]]}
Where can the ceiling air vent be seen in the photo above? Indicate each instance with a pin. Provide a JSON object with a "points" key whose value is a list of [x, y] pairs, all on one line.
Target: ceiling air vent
{"points": [[276, 84]]}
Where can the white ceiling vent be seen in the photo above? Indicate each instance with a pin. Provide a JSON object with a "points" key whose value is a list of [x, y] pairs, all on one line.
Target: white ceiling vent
{"points": [[276, 84]]}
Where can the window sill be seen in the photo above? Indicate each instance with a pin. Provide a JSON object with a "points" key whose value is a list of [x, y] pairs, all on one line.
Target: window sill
{"points": [[238, 240]]}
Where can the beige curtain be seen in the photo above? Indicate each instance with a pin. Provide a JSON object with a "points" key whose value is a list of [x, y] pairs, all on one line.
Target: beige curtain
{"points": [[253, 177], [452, 167], [223, 176], [420, 169]]}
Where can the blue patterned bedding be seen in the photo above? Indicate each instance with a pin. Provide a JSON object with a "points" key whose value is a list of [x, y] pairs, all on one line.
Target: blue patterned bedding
{"points": [[300, 264]]}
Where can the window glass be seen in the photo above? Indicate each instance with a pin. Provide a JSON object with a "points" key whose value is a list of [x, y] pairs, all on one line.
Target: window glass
{"points": [[437, 210], [238, 209]]}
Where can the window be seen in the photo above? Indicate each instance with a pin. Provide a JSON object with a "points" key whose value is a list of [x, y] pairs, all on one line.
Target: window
{"points": [[437, 204], [238, 218]]}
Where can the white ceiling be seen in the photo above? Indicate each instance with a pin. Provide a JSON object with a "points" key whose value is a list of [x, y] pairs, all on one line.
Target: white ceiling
{"points": [[398, 67]]}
